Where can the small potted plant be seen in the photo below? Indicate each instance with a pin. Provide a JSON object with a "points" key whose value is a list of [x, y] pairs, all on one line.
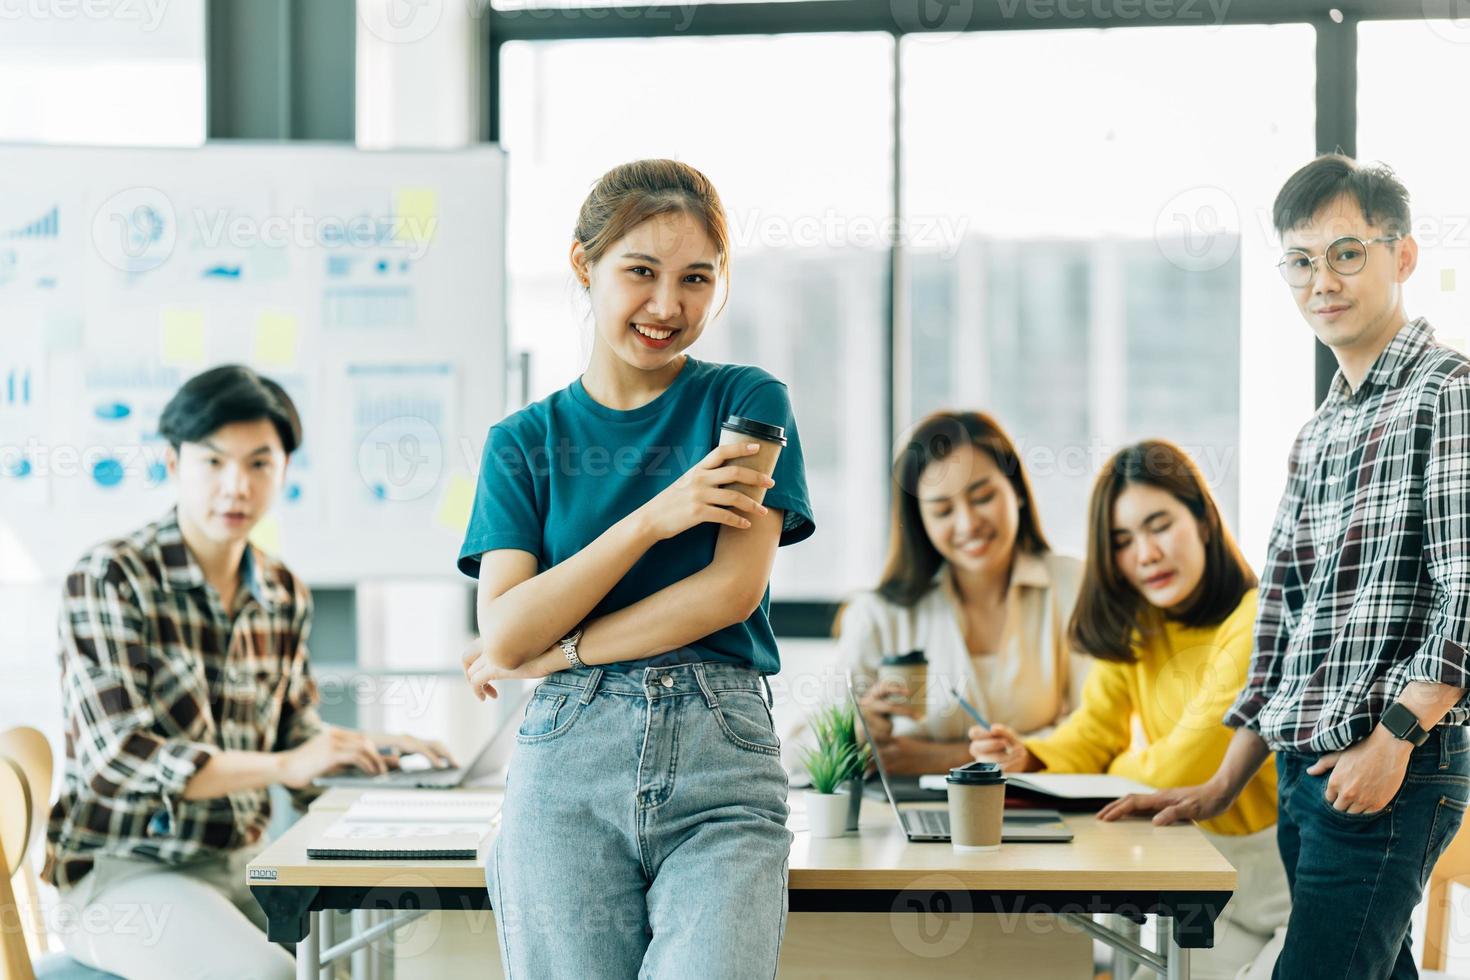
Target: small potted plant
{"points": [[844, 729], [837, 763]]}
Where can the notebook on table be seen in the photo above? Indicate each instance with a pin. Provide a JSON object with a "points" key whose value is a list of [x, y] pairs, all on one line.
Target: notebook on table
{"points": [[1064, 790], [409, 824]]}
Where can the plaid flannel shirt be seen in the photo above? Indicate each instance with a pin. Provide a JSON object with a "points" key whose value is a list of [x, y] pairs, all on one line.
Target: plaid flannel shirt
{"points": [[1367, 581], [155, 679]]}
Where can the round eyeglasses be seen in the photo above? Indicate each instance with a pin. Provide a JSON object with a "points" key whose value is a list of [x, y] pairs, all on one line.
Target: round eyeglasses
{"points": [[1346, 256]]}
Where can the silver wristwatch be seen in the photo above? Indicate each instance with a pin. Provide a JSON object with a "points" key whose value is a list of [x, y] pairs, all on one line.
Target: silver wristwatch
{"points": [[569, 647]]}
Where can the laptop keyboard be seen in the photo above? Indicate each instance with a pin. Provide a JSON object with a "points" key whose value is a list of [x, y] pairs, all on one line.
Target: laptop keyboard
{"points": [[927, 821], [441, 778]]}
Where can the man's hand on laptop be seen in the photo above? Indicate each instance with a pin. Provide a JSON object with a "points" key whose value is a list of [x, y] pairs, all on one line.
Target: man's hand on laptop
{"points": [[394, 748], [331, 749]]}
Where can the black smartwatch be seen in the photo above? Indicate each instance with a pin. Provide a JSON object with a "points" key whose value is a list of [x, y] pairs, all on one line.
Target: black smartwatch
{"points": [[1404, 724]]}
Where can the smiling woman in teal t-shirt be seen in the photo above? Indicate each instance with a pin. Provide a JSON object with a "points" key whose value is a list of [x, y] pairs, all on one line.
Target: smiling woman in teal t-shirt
{"points": [[618, 563], [559, 473]]}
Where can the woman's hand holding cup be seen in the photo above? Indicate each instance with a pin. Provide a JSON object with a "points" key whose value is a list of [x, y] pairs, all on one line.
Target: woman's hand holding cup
{"points": [[702, 494], [881, 702]]}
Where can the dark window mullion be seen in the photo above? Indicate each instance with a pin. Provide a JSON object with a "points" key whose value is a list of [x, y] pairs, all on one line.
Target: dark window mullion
{"points": [[1337, 130]]}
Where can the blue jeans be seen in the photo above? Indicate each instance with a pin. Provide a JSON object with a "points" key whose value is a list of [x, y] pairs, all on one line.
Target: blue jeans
{"points": [[644, 828], [1355, 878]]}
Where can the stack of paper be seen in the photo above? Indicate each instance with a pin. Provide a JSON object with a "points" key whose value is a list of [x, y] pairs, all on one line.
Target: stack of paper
{"points": [[409, 824]]}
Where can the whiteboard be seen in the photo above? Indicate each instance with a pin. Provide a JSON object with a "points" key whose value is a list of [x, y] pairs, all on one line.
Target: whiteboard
{"points": [[369, 283]]}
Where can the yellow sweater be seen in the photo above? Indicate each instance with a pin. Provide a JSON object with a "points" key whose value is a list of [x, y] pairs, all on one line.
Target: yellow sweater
{"points": [[1180, 685]]}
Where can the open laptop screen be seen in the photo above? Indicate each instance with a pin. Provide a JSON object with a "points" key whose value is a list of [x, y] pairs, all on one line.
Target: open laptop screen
{"points": [[877, 759]]}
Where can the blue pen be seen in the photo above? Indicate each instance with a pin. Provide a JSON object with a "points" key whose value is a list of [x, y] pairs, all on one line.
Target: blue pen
{"points": [[969, 708]]}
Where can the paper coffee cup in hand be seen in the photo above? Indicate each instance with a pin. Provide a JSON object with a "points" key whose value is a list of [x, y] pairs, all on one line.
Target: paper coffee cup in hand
{"points": [[912, 671], [771, 439]]}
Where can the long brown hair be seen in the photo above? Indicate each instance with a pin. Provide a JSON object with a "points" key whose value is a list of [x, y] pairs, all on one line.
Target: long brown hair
{"points": [[1110, 612], [912, 562], [632, 193]]}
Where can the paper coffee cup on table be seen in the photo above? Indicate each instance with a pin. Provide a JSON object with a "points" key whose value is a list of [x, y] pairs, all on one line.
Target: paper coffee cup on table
{"points": [[977, 803]]}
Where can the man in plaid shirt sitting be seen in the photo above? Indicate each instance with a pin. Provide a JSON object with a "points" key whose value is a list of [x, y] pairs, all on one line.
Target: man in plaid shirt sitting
{"points": [[186, 694], [1360, 669]]}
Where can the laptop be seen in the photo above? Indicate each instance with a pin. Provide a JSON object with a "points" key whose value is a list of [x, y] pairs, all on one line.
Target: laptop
{"points": [[927, 825], [486, 766]]}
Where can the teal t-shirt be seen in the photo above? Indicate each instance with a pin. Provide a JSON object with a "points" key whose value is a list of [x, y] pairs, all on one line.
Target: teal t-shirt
{"points": [[557, 474]]}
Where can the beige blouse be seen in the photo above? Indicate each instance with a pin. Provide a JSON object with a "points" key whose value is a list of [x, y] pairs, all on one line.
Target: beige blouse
{"points": [[1030, 683]]}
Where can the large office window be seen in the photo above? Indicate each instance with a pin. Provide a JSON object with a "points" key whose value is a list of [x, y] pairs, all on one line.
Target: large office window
{"points": [[1091, 251], [796, 133], [1428, 149], [113, 73]]}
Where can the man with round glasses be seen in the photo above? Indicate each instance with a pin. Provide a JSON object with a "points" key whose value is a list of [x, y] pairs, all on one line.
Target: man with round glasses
{"points": [[1362, 642], [1346, 256]]}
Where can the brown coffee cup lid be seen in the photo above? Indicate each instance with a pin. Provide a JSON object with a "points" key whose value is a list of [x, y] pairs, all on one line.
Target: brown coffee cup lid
{"points": [[758, 430]]}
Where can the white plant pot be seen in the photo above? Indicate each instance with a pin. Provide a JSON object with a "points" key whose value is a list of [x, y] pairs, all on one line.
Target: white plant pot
{"points": [[826, 813]]}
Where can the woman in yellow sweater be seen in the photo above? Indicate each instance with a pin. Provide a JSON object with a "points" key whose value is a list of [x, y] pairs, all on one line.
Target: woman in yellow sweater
{"points": [[1167, 607]]}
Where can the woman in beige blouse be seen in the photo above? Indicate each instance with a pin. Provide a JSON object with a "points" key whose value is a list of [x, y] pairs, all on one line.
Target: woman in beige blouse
{"points": [[971, 581]]}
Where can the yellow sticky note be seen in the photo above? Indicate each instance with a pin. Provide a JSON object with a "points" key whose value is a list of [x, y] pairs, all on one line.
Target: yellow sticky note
{"points": [[267, 535], [459, 500], [182, 339], [1447, 280], [275, 339], [417, 211]]}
